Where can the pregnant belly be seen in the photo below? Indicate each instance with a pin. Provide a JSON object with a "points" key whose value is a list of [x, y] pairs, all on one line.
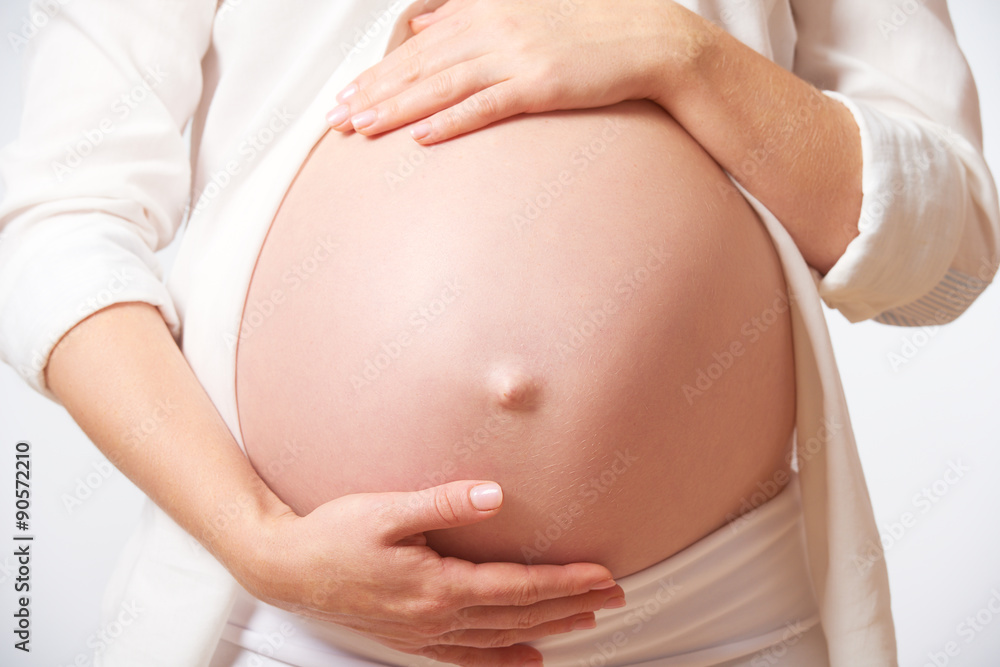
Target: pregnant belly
{"points": [[577, 305]]}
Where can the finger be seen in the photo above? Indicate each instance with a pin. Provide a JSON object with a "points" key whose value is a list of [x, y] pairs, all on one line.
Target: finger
{"points": [[501, 638], [513, 584], [449, 8], [446, 506], [442, 90], [422, 21], [448, 75], [434, 53], [410, 58], [428, 628], [511, 656], [419, 23], [504, 618], [477, 111]]}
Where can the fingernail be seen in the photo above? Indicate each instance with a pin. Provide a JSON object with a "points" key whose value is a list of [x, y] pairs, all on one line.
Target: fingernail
{"points": [[585, 624], [363, 119], [420, 130], [338, 115], [486, 497], [614, 603], [602, 585], [347, 92]]}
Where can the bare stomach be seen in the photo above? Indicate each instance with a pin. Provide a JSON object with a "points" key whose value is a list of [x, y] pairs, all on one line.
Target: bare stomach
{"points": [[576, 305]]}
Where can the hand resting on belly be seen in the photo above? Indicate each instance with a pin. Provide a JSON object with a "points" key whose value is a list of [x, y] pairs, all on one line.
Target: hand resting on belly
{"points": [[577, 305]]}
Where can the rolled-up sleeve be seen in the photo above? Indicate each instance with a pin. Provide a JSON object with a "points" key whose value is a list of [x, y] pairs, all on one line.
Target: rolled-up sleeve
{"points": [[929, 240], [99, 177]]}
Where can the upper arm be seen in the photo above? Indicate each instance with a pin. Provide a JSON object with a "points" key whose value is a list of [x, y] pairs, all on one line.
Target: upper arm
{"points": [[99, 176]]}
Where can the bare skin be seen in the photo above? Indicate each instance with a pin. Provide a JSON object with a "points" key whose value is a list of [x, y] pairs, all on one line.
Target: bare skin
{"points": [[716, 96], [358, 561], [474, 62], [448, 330]]}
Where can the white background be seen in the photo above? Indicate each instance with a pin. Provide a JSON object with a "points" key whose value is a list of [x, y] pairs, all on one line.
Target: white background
{"points": [[911, 423]]}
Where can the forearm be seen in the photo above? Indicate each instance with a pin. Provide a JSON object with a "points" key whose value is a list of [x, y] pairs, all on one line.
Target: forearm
{"points": [[796, 150], [123, 379]]}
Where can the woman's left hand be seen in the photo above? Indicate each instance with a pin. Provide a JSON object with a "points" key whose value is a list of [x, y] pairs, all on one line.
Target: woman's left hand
{"points": [[474, 62]]}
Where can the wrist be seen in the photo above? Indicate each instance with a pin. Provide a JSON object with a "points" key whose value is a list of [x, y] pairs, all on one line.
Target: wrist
{"points": [[691, 45], [239, 530]]}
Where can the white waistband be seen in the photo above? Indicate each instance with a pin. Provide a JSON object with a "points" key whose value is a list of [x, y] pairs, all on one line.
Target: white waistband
{"points": [[739, 590]]}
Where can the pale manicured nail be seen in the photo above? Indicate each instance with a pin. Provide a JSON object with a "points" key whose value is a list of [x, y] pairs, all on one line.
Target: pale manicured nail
{"points": [[486, 497], [585, 624], [420, 130], [614, 603], [602, 585], [363, 119], [347, 92], [338, 115]]}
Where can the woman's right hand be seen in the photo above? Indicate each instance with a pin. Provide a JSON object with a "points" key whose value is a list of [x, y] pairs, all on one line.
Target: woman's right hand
{"points": [[361, 561]]}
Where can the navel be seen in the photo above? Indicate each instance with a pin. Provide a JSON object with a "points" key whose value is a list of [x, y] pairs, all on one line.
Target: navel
{"points": [[514, 388]]}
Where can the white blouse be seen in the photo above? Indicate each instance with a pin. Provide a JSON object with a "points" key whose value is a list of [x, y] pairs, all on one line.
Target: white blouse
{"points": [[102, 175]]}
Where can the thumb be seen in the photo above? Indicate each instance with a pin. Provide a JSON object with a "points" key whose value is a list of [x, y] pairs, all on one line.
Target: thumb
{"points": [[445, 506]]}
